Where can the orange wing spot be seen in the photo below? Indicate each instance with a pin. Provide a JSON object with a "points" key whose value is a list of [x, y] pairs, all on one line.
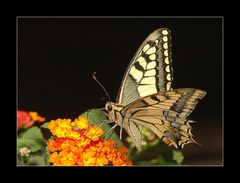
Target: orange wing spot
{"points": [[166, 141]]}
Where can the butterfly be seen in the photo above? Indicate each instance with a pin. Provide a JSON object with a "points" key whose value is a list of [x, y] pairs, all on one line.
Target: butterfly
{"points": [[146, 96]]}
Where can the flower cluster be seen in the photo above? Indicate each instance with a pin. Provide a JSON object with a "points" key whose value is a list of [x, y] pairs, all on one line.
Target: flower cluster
{"points": [[27, 119], [79, 143], [24, 151]]}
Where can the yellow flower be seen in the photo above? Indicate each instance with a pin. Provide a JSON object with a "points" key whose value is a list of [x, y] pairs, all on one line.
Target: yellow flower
{"points": [[60, 128], [81, 122], [73, 135], [68, 143], [94, 133], [79, 143], [52, 125], [82, 142]]}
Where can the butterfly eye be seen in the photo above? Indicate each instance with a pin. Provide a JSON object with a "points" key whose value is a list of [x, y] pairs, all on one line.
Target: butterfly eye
{"points": [[109, 107]]}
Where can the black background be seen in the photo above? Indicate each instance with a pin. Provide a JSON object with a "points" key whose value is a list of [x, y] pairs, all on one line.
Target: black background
{"points": [[56, 59]]}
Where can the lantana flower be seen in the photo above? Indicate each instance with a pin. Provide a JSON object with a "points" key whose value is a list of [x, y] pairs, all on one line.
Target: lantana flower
{"points": [[78, 143], [24, 151], [27, 119]]}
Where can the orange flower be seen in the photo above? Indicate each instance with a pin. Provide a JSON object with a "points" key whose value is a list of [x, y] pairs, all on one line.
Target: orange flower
{"points": [[79, 143], [36, 117], [54, 158], [53, 146]]}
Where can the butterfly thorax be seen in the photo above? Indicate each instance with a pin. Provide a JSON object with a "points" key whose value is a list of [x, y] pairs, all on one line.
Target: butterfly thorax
{"points": [[114, 112]]}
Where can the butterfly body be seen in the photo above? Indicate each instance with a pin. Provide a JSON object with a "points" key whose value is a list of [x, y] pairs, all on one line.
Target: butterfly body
{"points": [[146, 97]]}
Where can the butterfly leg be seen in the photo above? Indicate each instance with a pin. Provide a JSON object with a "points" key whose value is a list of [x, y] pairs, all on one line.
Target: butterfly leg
{"points": [[110, 130], [99, 121], [121, 131]]}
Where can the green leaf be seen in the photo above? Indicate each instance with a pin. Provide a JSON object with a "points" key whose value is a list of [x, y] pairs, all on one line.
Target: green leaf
{"points": [[178, 156], [36, 160], [159, 160], [95, 116], [166, 162], [33, 133], [20, 134], [52, 138], [155, 153], [47, 153], [30, 144], [20, 160], [44, 125]]}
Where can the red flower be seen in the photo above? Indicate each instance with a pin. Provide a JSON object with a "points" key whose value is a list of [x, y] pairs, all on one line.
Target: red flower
{"points": [[23, 119]]}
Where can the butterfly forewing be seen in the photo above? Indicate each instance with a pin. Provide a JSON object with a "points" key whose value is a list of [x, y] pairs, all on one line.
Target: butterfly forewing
{"points": [[150, 70]]}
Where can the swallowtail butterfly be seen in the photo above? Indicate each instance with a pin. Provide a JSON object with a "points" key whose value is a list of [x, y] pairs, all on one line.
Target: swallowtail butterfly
{"points": [[146, 96]]}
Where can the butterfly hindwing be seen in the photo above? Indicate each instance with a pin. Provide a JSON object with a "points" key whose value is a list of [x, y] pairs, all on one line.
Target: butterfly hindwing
{"points": [[165, 114], [134, 132], [150, 70]]}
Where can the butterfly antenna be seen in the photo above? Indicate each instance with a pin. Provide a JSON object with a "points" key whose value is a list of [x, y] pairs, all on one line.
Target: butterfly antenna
{"points": [[94, 77]]}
